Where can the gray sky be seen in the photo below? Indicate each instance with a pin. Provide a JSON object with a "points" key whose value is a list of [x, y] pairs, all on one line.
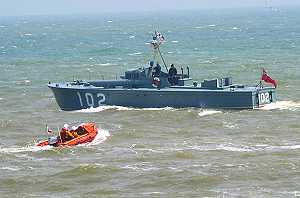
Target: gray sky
{"points": [[46, 7]]}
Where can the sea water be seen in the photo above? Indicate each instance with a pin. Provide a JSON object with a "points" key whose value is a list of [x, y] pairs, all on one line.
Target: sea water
{"points": [[165, 152]]}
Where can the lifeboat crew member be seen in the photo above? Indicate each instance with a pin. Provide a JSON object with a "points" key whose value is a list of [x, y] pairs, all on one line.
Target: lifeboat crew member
{"points": [[65, 134], [73, 132]]}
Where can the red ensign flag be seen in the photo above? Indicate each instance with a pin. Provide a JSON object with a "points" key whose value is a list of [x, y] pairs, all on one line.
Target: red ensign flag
{"points": [[265, 77]]}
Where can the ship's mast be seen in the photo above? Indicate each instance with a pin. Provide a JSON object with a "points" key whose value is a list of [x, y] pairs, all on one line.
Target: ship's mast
{"points": [[158, 39]]}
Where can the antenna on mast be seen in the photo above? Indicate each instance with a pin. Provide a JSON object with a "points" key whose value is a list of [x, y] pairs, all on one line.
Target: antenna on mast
{"points": [[157, 40]]}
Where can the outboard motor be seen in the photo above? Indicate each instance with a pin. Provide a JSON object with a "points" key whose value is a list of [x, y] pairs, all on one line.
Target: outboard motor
{"points": [[52, 140]]}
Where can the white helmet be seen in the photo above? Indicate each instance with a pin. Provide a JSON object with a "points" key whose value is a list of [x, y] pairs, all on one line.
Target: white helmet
{"points": [[74, 128], [66, 126]]}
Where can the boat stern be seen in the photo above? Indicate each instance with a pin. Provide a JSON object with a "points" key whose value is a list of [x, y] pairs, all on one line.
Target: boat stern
{"points": [[263, 96]]}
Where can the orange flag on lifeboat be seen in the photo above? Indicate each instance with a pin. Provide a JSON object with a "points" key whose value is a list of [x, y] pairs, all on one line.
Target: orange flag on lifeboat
{"points": [[265, 77]]}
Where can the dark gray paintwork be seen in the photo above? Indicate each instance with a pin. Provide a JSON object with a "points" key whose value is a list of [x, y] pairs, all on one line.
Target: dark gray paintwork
{"points": [[135, 90]]}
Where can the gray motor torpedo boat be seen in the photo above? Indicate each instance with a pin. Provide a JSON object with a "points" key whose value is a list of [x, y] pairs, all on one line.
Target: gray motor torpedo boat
{"points": [[149, 87]]}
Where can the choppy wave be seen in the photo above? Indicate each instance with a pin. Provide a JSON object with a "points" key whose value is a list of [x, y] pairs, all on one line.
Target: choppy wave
{"points": [[106, 64], [10, 168], [25, 149], [282, 105], [136, 53], [121, 108], [230, 125], [144, 166], [255, 148], [235, 148], [208, 112], [236, 28], [23, 82]]}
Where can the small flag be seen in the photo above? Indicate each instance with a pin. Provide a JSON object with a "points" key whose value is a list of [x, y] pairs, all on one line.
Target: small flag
{"points": [[157, 39], [49, 131], [265, 77], [159, 36]]}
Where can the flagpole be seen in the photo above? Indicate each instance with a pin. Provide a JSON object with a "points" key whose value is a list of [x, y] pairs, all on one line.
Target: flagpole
{"points": [[162, 58], [47, 129]]}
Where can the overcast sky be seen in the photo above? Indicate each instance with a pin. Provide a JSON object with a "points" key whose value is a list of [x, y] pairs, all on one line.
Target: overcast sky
{"points": [[46, 7]]}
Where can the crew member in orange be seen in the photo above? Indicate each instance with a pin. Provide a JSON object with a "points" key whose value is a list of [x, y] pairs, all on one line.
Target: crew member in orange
{"points": [[65, 134]]}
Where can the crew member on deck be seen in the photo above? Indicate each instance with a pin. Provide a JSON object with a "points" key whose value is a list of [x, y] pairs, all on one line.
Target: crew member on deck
{"points": [[157, 70], [150, 69], [172, 75]]}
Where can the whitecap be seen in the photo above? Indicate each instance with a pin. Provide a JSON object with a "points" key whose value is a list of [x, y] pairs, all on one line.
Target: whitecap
{"points": [[230, 125], [27, 34], [212, 25], [234, 148], [236, 28], [136, 53], [1, 98], [109, 21], [281, 105], [174, 41], [132, 37], [10, 168], [142, 167], [208, 112], [153, 193], [288, 147], [24, 149], [106, 64], [2, 26]]}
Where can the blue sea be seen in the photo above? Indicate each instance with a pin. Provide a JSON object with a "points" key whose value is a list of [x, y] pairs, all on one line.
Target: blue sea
{"points": [[162, 152]]}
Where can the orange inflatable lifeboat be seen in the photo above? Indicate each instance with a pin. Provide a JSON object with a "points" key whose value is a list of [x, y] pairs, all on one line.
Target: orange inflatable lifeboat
{"points": [[82, 134]]}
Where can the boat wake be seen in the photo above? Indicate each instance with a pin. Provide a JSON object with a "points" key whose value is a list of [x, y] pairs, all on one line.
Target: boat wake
{"points": [[208, 112], [282, 105], [121, 108], [100, 137]]}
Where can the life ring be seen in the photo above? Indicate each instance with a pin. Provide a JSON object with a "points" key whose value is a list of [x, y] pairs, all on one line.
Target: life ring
{"points": [[156, 82]]}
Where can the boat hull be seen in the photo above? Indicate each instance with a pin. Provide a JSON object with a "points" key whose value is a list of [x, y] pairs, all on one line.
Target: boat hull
{"points": [[79, 97]]}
